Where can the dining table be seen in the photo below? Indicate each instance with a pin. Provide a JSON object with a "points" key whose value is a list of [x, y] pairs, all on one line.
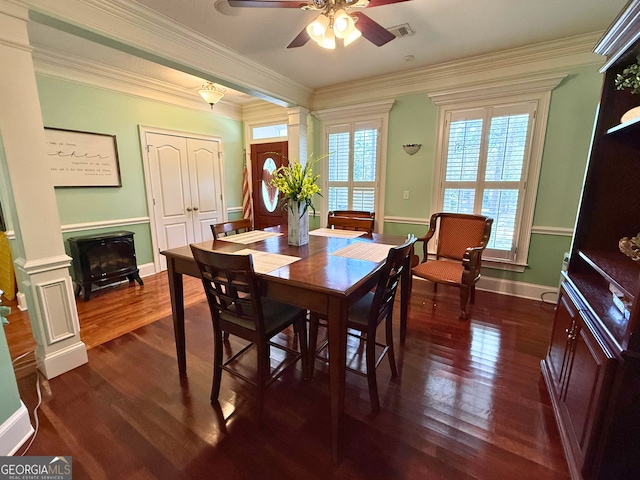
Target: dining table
{"points": [[326, 276]]}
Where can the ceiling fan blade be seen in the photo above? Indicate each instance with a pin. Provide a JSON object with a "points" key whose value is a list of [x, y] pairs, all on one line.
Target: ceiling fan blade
{"points": [[302, 38], [372, 31], [379, 3], [268, 3]]}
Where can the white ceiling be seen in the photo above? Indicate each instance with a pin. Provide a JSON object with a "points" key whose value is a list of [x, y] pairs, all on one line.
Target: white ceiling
{"points": [[445, 30]]}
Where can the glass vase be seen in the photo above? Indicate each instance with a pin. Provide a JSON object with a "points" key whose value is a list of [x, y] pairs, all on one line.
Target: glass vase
{"points": [[298, 223]]}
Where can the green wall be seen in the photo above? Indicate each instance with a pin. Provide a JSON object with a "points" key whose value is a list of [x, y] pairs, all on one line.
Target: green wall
{"points": [[79, 107], [413, 119]]}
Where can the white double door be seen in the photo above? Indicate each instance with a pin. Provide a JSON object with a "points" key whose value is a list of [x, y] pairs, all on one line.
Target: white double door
{"points": [[186, 189]]}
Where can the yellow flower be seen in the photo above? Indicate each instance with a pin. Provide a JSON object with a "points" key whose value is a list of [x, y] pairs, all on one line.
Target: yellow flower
{"points": [[297, 183]]}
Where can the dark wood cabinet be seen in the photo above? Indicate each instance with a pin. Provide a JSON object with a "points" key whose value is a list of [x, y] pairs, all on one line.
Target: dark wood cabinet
{"points": [[592, 368], [103, 259]]}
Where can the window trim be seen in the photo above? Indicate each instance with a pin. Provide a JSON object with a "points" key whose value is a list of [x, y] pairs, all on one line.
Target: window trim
{"points": [[373, 111], [536, 90]]}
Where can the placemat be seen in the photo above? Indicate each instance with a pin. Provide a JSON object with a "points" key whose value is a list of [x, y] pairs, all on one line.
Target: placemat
{"points": [[372, 252], [265, 262], [249, 237], [335, 232]]}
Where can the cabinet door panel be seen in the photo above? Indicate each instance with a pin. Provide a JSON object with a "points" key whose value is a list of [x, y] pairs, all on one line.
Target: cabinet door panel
{"points": [[590, 373], [559, 349]]}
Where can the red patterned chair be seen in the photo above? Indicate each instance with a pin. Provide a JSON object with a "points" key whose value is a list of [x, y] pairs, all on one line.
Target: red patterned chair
{"points": [[461, 240]]}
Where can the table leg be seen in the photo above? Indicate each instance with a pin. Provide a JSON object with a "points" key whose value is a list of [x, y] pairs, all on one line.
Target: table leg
{"points": [[176, 294], [337, 325], [405, 292]]}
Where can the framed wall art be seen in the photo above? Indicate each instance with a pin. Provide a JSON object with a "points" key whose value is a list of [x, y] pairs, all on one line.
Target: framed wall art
{"points": [[82, 159]]}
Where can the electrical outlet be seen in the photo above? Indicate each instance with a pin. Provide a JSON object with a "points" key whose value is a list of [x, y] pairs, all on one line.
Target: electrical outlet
{"points": [[405, 195]]}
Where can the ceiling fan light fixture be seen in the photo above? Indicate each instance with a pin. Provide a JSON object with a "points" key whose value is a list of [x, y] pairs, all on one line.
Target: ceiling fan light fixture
{"points": [[329, 40], [318, 28], [212, 93], [343, 24], [353, 36]]}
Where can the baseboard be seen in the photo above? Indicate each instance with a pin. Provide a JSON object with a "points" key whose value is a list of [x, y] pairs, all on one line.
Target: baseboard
{"points": [[62, 361], [22, 301], [147, 269], [531, 291], [516, 289], [15, 431]]}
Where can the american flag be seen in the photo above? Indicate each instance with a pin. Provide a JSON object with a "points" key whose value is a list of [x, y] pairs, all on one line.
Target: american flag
{"points": [[246, 195]]}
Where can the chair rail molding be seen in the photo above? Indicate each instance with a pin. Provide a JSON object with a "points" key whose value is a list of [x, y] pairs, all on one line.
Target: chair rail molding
{"points": [[78, 227]]}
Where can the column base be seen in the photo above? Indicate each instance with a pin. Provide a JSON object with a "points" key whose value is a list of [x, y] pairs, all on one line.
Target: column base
{"points": [[60, 361]]}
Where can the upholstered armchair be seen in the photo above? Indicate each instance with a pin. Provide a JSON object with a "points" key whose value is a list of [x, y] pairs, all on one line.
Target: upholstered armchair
{"points": [[461, 239]]}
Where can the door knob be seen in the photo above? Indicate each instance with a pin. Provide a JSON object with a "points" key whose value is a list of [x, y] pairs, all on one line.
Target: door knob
{"points": [[188, 209], [195, 209]]}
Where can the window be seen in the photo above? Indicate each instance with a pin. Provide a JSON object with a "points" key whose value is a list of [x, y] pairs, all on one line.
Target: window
{"points": [[354, 151], [269, 131], [356, 144], [486, 157], [489, 157]]}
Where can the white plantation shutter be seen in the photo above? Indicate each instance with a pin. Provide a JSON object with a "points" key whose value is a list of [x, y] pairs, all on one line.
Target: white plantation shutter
{"points": [[352, 165], [486, 155]]}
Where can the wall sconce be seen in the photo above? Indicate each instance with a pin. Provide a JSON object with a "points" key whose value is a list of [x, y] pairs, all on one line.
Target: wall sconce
{"points": [[212, 93], [411, 148]]}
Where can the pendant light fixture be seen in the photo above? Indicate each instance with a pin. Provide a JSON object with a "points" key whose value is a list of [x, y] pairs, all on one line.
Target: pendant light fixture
{"points": [[212, 93]]}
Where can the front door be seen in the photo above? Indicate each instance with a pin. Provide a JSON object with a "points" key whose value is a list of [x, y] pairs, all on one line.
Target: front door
{"points": [[266, 158], [186, 186]]}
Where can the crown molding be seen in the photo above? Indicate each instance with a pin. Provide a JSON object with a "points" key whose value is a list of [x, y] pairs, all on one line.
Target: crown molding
{"points": [[87, 72], [370, 108], [13, 18], [556, 56], [134, 28], [621, 35], [520, 85], [263, 112]]}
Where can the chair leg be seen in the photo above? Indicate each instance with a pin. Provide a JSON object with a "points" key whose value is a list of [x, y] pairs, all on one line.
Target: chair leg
{"points": [[313, 344], [371, 372], [464, 297], [473, 294], [300, 328], [389, 341], [217, 365], [263, 374]]}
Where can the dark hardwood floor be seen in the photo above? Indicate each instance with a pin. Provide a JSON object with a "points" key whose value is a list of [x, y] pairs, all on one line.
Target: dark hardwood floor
{"points": [[469, 401]]}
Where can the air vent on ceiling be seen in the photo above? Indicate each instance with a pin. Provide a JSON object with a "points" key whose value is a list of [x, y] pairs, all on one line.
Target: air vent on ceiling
{"points": [[403, 30]]}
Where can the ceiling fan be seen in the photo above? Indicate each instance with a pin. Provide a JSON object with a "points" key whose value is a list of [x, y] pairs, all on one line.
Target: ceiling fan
{"points": [[335, 21]]}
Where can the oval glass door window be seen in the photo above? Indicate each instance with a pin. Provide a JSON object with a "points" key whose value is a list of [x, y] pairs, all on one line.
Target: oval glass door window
{"points": [[269, 192]]}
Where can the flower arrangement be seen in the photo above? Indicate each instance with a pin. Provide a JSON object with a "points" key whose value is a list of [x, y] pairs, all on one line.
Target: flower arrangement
{"points": [[629, 78], [297, 183]]}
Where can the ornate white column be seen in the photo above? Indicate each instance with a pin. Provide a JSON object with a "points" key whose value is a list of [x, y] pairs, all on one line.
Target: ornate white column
{"points": [[42, 267], [297, 129]]}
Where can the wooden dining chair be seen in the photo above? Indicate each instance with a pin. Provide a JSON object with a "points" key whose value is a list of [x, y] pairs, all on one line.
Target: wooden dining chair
{"points": [[366, 315], [461, 240], [351, 220], [238, 308], [231, 227]]}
